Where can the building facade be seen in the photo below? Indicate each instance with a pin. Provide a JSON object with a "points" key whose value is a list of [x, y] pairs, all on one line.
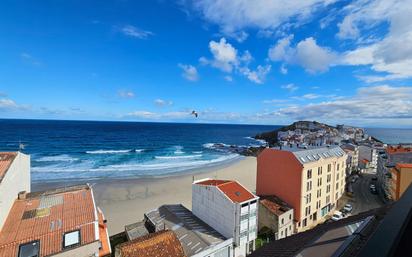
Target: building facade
{"points": [[353, 157], [387, 160], [229, 208], [368, 158], [14, 178], [309, 180], [275, 215], [401, 179]]}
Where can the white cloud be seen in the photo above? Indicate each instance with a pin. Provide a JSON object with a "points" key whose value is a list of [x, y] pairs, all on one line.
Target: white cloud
{"points": [[126, 94], [189, 72], [290, 87], [7, 104], [161, 102], [234, 16], [258, 76], [370, 103], [303, 54], [227, 59], [391, 55], [135, 32]]}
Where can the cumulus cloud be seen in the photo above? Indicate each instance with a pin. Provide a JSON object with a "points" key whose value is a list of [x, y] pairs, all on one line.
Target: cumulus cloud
{"points": [[307, 53], [373, 103], [226, 58], [189, 72], [233, 17], [126, 94], [135, 32], [161, 102], [390, 56]]}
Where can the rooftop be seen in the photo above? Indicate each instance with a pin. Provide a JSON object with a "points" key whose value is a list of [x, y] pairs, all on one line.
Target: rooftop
{"points": [[160, 244], [57, 219], [232, 189], [345, 236], [194, 234], [6, 158], [136, 230], [395, 149], [274, 204], [315, 154], [404, 165]]}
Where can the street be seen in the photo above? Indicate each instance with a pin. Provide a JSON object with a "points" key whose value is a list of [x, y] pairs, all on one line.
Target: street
{"points": [[363, 199]]}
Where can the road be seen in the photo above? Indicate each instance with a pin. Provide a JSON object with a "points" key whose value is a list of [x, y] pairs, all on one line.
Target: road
{"points": [[363, 199]]}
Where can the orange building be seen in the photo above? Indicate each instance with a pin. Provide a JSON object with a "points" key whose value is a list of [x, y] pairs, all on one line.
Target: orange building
{"points": [[309, 180], [401, 179]]}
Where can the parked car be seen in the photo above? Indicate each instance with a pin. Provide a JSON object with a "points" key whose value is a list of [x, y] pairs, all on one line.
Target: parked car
{"points": [[337, 215], [348, 208], [372, 188]]}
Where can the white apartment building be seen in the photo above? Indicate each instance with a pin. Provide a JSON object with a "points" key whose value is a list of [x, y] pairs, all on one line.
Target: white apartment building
{"points": [[14, 178], [311, 181], [368, 158], [230, 209]]}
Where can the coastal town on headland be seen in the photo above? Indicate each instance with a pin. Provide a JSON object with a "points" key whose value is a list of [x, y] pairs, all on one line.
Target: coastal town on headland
{"points": [[309, 189]]}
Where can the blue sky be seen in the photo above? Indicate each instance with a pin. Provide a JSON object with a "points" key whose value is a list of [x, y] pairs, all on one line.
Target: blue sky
{"points": [[259, 62]]}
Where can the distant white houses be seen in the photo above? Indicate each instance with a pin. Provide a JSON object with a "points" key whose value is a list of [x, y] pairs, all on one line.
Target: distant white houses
{"points": [[368, 158], [229, 208]]}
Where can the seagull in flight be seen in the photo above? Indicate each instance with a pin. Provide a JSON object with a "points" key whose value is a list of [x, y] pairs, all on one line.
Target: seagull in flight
{"points": [[195, 113]]}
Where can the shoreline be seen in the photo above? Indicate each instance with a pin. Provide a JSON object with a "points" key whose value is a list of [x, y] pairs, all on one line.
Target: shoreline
{"points": [[124, 201]]}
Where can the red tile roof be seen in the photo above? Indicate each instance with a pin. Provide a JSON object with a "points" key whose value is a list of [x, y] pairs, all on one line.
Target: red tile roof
{"points": [[232, 189], [398, 149], [160, 244], [404, 165], [274, 204], [6, 158], [46, 216]]}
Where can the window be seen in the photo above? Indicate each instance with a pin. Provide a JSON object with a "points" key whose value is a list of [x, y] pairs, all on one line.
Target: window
{"points": [[290, 216], [308, 198], [307, 211], [283, 221], [329, 167], [244, 217], [327, 188], [328, 178], [71, 239], [31, 249], [319, 182], [337, 167], [304, 223], [337, 176], [308, 186], [319, 170], [309, 174], [327, 199], [337, 186]]}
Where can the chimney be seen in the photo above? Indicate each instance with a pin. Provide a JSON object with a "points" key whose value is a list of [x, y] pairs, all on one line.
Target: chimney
{"points": [[22, 195]]}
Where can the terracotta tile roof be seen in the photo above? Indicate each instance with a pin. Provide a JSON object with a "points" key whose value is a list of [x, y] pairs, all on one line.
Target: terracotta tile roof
{"points": [[212, 182], [404, 165], [274, 204], [232, 189], [6, 158], [46, 216], [160, 244], [103, 235], [398, 149], [365, 161]]}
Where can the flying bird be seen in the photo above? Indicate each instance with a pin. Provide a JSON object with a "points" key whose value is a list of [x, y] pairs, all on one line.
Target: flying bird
{"points": [[195, 113]]}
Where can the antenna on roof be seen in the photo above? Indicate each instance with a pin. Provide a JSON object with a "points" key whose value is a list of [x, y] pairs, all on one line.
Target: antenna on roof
{"points": [[21, 146]]}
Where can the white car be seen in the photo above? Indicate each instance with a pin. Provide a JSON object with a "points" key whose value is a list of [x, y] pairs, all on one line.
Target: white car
{"points": [[337, 215], [348, 207]]}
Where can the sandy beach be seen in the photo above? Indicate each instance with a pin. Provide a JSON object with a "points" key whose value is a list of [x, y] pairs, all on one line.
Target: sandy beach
{"points": [[125, 201]]}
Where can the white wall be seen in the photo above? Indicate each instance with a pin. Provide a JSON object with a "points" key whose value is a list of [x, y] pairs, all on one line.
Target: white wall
{"points": [[211, 206], [16, 179]]}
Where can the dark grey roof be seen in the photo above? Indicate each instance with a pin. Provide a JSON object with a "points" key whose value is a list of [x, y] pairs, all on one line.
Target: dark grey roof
{"points": [[345, 237], [194, 234], [136, 230]]}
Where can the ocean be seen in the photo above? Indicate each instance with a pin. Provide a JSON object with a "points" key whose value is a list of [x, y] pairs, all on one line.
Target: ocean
{"points": [[86, 150], [391, 136]]}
